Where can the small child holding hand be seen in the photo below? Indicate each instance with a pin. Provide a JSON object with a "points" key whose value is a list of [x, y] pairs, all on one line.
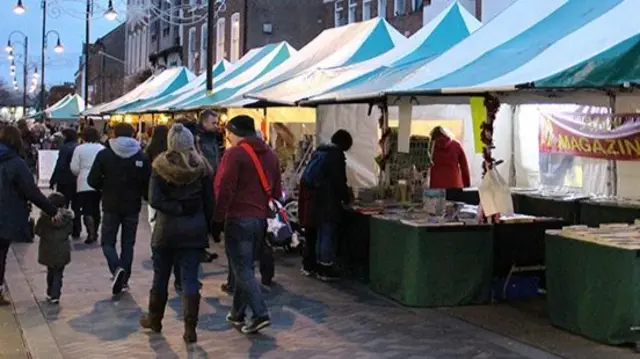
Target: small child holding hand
{"points": [[54, 250]]}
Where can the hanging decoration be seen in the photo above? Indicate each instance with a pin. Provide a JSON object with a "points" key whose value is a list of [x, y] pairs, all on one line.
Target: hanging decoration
{"points": [[492, 105]]}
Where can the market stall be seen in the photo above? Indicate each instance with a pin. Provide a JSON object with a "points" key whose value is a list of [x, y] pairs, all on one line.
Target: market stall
{"points": [[430, 265], [592, 282]]}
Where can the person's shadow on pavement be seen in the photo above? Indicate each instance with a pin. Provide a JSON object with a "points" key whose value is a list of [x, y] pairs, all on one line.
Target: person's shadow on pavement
{"points": [[110, 321]]}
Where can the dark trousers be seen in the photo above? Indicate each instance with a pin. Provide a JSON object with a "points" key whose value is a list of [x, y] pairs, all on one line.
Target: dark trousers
{"points": [[164, 259], [309, 262], [267, 266], [69, 192], [128, 224], [89, 204], [244, 238], [4, 250], [54, 282]]}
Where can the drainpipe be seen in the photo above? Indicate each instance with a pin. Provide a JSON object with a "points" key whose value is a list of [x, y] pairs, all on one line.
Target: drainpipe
{"points": [[479, 10], [245, 26]]}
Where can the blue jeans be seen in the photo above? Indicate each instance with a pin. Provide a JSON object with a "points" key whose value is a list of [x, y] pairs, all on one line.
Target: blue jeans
{"points": [[164, 259], [54, 282], [111, 223], [326, 233], [243, 241]]}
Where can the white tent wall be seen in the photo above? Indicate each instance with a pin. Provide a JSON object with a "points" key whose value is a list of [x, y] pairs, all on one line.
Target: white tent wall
{"points": [[362, 170], [627, 172], [502, 135], [596, 176]]}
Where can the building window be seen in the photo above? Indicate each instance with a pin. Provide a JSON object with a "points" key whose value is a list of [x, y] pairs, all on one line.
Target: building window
{"points": [[220, 37], [400, 7], [192, 49], [419, 4], [235, 37], [366, 10], [382, 8], [353, 5], [203, 46], [338, 16]]}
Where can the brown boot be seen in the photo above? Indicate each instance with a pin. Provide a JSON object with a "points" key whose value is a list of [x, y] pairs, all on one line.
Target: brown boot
{"points": [[92, 231], [191, 309], [153, 320]]}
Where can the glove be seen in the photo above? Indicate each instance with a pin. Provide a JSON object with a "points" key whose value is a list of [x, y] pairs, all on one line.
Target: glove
{"points": [[216, 230]]}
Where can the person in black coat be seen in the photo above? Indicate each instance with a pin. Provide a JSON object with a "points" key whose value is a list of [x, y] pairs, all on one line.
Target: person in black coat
{"points": [[181, 191], [122, 173], [17, 186], [65, 181]]}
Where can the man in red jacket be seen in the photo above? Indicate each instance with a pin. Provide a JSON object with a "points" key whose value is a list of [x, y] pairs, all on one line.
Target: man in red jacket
{"points": [[241, 203]]}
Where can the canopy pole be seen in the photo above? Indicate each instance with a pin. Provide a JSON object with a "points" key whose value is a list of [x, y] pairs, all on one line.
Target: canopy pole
{"points": [[612, 183]]}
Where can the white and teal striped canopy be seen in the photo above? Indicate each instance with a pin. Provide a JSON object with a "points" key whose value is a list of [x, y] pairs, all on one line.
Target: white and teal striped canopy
{"points": [[156, 86], [450, 27], [159, 104], [539, 44], [67, 109], [250, 68], [342, 46]]}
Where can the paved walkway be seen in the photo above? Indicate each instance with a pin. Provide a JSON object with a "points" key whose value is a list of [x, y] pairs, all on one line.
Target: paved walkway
{"points": [[11, 343], [312, 320]]}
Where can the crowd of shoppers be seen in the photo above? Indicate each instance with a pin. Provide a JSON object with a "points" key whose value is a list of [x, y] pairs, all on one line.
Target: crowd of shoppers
{"points": [[195, 192]]}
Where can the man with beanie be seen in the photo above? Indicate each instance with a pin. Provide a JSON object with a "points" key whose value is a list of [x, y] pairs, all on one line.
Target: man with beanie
{"points": [[242, 205], [323, 193], [122, 173]]}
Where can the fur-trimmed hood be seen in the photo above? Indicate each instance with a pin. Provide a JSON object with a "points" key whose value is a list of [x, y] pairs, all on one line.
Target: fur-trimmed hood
{"points": [[181, 168]]}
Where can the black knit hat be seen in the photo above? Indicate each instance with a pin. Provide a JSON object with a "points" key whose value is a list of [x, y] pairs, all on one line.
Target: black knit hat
{"points": [[242, 126]]}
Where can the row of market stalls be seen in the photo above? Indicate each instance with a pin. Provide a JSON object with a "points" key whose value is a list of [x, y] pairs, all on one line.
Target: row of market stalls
{"points": [[543, 88]]}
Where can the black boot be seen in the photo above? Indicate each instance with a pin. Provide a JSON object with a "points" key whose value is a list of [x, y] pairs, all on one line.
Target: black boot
{"points": [[191, 309], [90, 224], [153, 320]]}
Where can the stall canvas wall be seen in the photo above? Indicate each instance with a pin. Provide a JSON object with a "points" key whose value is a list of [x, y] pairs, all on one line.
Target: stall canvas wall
{"points": [[363, 126], [594, 173], [627, 172], [362, 169]]}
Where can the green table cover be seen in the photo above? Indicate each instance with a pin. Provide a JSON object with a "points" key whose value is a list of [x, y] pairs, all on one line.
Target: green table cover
{"points": [[593, 290], [431, 266], [593, 213]]}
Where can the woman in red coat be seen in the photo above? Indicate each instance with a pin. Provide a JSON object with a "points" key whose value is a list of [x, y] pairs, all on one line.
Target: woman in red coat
{"points": [[449, 163]]}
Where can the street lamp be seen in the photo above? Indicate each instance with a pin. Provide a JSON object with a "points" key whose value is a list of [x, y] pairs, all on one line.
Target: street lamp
{"points": [[10, 57], [12, 67], [19, 8], [59, 48], [9, 47], [111, 14]]}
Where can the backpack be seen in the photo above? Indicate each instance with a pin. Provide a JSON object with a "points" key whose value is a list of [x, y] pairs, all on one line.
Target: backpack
{"points": [[279, 231], [314, 174]]}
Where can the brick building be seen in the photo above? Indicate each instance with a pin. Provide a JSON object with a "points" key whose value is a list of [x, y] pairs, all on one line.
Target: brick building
{"points": [[408, 16], [106, 67], [247, 24]]}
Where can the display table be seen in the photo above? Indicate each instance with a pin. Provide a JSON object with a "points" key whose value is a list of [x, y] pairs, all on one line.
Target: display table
{"points": [[594, 212], [431, 266], [537, 204], [593, 289], [466, 195]]}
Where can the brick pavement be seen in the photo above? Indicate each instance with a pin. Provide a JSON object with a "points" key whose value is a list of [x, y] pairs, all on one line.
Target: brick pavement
{"points": [[11, 343], [311, 320]]}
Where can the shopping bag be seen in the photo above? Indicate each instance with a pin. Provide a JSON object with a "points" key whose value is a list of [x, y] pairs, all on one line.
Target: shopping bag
{"points": [[495, 194]]}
